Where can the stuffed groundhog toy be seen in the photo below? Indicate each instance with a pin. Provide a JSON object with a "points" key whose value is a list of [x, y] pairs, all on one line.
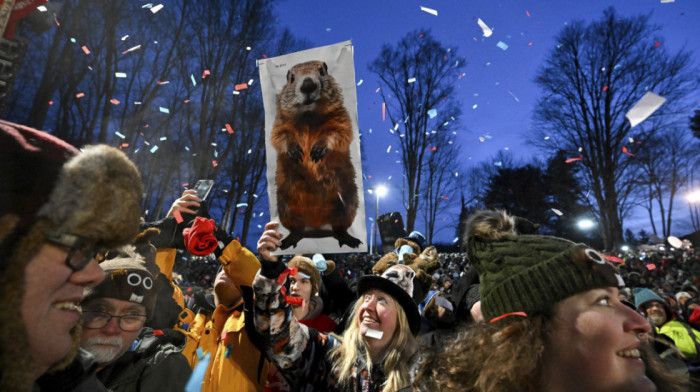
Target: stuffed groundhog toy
{"points": [[407, 251]]}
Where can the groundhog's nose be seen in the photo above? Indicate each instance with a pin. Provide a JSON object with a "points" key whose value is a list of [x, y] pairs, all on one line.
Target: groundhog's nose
{"points": [[308, 86]]}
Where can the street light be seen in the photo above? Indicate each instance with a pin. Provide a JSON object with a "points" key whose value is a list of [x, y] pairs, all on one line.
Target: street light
{"points": [[379, 191], [585, 224]]}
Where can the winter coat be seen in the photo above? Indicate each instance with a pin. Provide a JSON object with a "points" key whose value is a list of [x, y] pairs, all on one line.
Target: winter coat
{"points": [[678, 332], [79, 376], [302, 353], [236, 364], [155, 363]]}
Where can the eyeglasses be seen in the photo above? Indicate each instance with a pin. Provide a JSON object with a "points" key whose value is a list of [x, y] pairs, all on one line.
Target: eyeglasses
{"points": [[81, 251], [95, 319]]}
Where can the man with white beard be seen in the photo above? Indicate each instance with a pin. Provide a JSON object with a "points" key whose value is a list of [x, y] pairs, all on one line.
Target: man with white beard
{"points": [[131, 356]]}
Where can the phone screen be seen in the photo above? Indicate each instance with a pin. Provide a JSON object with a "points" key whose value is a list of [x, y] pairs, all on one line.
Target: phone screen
{"points": [[203, 187]]}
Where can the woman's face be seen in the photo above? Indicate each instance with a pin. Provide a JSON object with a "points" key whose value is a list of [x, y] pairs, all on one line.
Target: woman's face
{"points": [[378, 312], [593, 345]]}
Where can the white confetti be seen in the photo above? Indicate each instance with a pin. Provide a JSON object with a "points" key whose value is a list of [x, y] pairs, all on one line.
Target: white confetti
{"points": [[559, 213], [487, 31], [164, 110], [388, 149], [120, 74], [411, 80], [429, 10], [154, 149], [157, 8]]}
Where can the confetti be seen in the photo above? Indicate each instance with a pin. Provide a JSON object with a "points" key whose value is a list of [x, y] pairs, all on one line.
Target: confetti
{"points": [[651, 266], [154, 149], [360, 82], [656, 45], [120, 74], [194, 82], [613, 259], [162, 82], [239, 205], [432, 113], [205, 73], [124, 145], [137, 47], [214, 163], [383, 111], [164, 110], [229, 128], [85, 49], [605, 88], [241, 86], [157, 8], [178, 216], [580, 158], [114, 101], [373, 333], [125, 37], [667, 1], [474, 107], [559, 213], [513, 95], [454, 241], [163, 138], [377, 90], [624, 149], [644, 108], [388, 149], [502, 45], [250, 82], [79, 95], [487, 31], [527, 13], [411, 80], [120, 135], [432, 149], [428, 10]]}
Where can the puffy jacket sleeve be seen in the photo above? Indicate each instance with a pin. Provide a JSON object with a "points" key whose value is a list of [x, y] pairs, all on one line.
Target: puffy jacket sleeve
{"points": [[298, 351]]}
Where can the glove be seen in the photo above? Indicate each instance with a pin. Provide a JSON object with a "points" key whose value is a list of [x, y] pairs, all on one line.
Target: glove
{"points": [[223, 238]]}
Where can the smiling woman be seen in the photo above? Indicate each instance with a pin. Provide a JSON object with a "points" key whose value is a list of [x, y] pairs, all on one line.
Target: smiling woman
{"points": [[555, 321]]}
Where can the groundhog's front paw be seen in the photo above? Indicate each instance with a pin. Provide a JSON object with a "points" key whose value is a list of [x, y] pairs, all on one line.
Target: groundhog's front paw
{"points": [[318, 151], [295, 153]]}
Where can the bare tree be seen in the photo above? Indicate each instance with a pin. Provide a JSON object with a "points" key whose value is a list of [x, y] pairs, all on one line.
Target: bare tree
{"points": [[589, 81], [417, 78]]}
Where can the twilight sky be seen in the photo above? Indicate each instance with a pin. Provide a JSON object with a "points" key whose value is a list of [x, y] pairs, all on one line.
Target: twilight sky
{"points": [[497, 94]]}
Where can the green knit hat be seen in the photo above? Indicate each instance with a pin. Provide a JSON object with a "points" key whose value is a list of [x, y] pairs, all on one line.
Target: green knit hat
{"points": [[530, 273]]}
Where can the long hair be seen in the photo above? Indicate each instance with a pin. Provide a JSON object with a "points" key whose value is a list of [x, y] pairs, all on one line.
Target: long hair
{"points": [[354, 348], [507, 356]]}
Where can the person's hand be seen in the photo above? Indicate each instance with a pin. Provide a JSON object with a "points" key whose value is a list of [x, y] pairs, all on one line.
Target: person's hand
{"points": [[269, 241], [188, 203]]}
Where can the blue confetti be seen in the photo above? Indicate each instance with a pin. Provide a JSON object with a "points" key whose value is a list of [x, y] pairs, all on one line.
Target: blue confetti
{"points": [[164, 110], [194, 384], [239, 205], [432, 113], [120, 135], [194, 83], [502, 45], [154, 149]]}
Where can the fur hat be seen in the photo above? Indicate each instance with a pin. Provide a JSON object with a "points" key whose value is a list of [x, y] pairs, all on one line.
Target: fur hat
{"points": [[131, 272], [307, 267], [530, 273], [396, 281]]}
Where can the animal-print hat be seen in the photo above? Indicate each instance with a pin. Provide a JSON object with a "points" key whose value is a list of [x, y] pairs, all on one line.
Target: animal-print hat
{"points": [[530, 273], [396, 281]]}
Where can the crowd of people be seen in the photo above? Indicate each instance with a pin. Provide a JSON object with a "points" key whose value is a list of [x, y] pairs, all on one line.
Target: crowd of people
{"points": [[95, 299]]}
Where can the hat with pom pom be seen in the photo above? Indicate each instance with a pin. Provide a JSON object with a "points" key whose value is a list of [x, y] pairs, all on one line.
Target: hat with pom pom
{"points": [[530, 273]]}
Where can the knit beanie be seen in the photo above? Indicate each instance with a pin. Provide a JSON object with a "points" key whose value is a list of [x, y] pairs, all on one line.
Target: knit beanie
{"points": [[530, 273], [643, 296], [308, 268], [131, 272]]}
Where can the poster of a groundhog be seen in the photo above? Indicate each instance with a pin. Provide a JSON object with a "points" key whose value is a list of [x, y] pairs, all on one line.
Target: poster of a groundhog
{"points": [[312, 150]]}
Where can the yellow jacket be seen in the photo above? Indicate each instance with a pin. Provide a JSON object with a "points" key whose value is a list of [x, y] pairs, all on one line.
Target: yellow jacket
{"points": [[236, 364]]}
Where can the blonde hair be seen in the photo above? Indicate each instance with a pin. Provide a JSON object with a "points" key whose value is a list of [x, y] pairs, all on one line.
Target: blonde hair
{"points": [[396, 366]]}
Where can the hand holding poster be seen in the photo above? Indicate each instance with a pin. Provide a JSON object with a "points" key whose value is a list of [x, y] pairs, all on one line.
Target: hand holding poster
{"points": [[313, 152]]}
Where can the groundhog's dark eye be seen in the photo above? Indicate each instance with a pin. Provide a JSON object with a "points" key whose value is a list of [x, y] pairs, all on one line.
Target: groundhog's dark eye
{"points": [[291, 78], [322, 71]]}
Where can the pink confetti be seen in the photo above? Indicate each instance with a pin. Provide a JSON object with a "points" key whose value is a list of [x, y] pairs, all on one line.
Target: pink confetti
{"points": [[214, 163], [124, 145], [613, 259], [624, 149], [229, 128], [651, 267], [79, 95], [50, 102], [178, 216], [580, 158], [383, 111], [605, 88], [114, 101], [55, 20], [85, 50], [656, 45], [432, 149], [241, 86], [528, 13]]}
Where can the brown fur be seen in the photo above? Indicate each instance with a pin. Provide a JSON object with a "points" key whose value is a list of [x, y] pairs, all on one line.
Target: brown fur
{"points": [[315, 176]]}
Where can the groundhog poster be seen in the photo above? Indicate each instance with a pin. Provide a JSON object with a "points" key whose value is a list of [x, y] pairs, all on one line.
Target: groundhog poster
{"points": [[313, 151]]}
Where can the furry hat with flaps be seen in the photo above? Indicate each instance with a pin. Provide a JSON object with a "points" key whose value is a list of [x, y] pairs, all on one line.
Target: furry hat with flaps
{"points": [[530, 273], [308, 268], [131, 274], [396, 281]]}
